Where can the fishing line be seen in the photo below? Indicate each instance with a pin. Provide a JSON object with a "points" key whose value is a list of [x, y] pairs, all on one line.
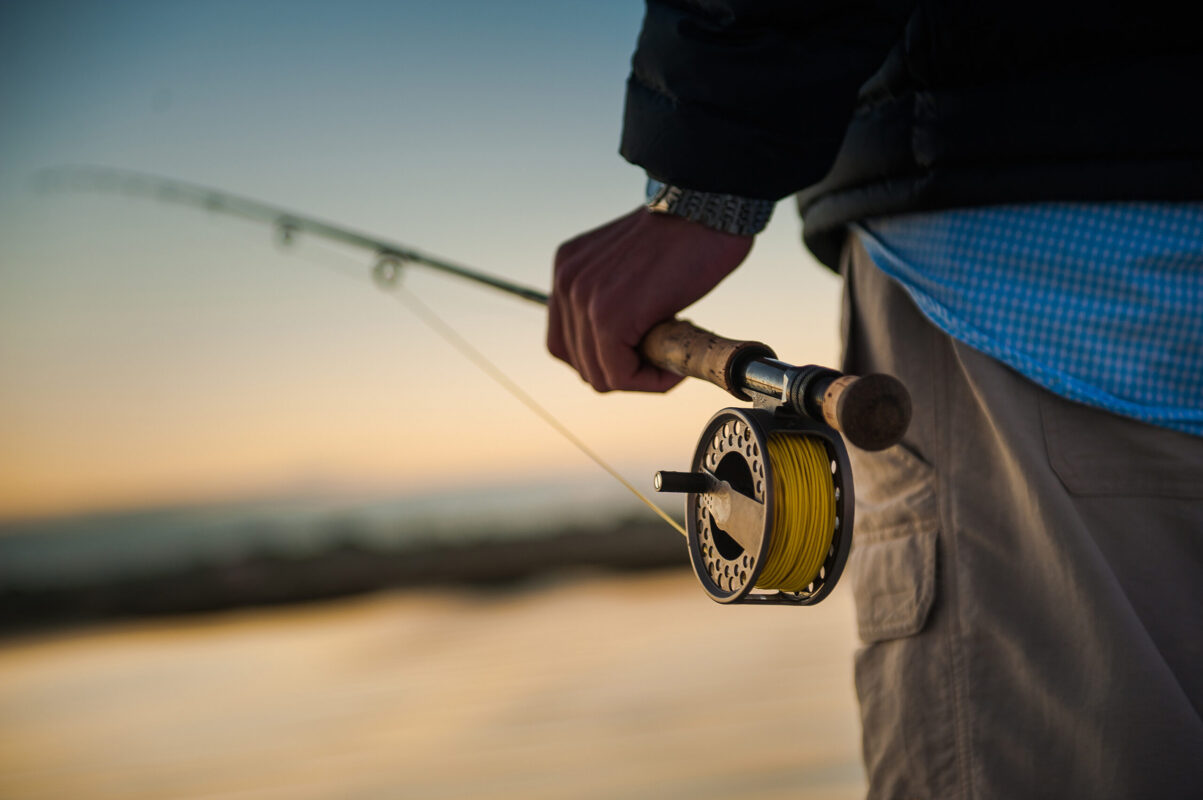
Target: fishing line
{"points": [[387, 275]]}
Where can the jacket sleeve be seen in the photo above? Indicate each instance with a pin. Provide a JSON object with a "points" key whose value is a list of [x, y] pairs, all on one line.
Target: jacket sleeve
{"points": [[750, 97]]}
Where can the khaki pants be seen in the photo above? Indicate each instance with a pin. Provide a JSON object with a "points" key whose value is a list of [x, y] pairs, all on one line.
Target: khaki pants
{"points": [[1028, 575]]}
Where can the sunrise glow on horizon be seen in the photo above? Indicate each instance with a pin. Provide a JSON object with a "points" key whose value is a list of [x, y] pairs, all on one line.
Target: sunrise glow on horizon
{"points": [[153, 355]]}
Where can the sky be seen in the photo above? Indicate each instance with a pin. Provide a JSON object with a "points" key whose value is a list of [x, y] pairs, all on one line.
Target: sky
{"points": [[154, 355]]}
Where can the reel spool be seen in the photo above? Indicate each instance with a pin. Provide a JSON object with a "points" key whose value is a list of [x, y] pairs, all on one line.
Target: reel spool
{"points": [[768, 507]]}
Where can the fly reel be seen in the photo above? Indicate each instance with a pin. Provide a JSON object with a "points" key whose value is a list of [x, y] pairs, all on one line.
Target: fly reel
{"points": [[769, 497], [768, 507]]}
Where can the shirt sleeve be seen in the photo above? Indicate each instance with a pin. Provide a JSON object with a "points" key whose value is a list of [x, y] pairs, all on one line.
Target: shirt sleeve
{"points": [[750, 97]]}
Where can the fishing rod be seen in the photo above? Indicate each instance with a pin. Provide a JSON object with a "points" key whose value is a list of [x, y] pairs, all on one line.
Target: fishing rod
{"points": [[769, 493]]}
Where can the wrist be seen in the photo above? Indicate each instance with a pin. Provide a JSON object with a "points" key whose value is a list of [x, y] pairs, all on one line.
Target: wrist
{"points": [[743, 216]]}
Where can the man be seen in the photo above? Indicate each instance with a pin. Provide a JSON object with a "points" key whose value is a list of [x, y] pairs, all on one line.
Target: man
{"points": [[1012, 194]]}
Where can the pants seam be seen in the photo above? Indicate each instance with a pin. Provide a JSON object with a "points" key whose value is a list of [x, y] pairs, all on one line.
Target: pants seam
{"points": [[958, 658]]}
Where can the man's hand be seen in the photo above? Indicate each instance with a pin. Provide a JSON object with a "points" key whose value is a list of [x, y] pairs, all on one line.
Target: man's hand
{"points": [[614, 283]]}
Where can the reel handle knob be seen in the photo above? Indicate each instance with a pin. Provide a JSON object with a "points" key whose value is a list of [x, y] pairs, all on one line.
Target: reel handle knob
{"points": [[681, 482]]}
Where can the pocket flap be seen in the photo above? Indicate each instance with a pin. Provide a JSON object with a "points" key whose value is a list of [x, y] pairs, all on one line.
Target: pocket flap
{"points": [[895, 582]]}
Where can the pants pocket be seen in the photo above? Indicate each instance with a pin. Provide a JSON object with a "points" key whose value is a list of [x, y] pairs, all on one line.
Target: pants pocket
{"points": [[892, 566], [1095, 453]]}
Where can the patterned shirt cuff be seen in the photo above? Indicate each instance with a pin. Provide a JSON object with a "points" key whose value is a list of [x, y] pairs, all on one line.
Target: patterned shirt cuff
{"points": [[729, 213]]}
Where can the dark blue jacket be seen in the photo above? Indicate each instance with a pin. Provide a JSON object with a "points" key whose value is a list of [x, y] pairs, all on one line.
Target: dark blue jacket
{"points": [[872, 108]]}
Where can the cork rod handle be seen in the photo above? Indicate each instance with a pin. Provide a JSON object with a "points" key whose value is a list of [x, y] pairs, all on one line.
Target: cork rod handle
{"points": [[683, 348]]}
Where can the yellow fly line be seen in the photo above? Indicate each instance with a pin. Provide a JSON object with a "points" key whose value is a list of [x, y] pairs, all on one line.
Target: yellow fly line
{"points": [[803, 523]]}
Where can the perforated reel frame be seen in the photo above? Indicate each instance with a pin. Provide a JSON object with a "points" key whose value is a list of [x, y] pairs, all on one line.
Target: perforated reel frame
{"points": [[733, 448]]}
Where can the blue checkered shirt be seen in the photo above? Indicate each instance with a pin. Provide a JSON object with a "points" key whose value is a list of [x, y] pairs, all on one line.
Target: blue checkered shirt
{"points": [[1099, 303]]}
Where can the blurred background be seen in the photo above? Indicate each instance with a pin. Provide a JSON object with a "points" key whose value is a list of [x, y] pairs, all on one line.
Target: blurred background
{"points": [[262, 534]]}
